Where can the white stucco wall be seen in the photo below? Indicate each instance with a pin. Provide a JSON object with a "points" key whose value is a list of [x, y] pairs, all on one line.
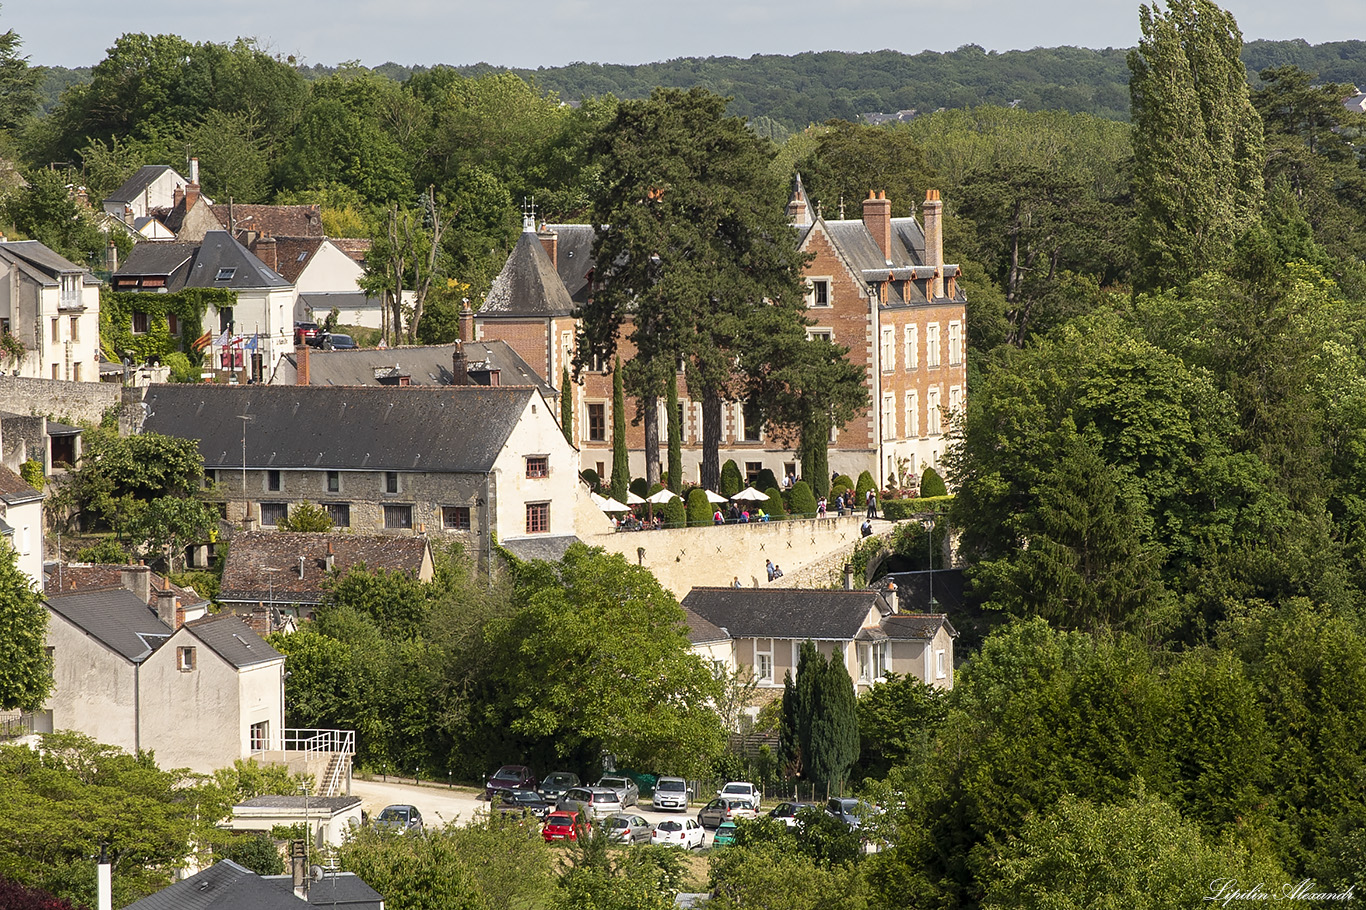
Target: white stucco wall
{"points": [[267, 313], [31, 308], [160, 193], [330, 270], [27, 521], [93, 688], [537, 433]]}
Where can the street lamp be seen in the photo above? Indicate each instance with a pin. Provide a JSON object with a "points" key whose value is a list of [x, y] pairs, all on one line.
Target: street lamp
{"points": [[246, 505], [928, 522]]}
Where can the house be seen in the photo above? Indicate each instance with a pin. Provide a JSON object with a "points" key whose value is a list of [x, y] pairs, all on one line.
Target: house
{"points": [[49, 313], [201, 695], [764, 629], [25, 437], [76, 577], [152, 186], [878, 285], [260, 323], [465, 461], [1356, 102], [227, 886], [21, 523], [329, 818], [490, 363], [273, 579], [327, 275]]}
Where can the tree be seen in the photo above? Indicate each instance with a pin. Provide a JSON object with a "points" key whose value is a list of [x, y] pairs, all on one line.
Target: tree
{"points": [[18, 83], [731, 481], [25, 669], [306, 518], [893, 717], [1198, 143], [852, 158], [566, 405], [803, 500], [169, 523], [931, 484], [696, 251], [675, 436], [700, 511], [14, 896], [621, 458], [773, 876], [117, 472], [46, 211], [822, 718]]}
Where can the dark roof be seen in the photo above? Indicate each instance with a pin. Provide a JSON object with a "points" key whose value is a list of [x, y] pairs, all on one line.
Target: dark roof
{"points": [[157, 259], [116, 618], [67, 579], [41, 257], [233, 640], [458, 429], [336, 889], [263, 566], [332, 804], [428, 365], [198, 265], [14, 490], [133, 187], [223, 886], [915, 626], [271, 220], [701, 631], [528, 285], [550, 549], [817, 614], [574, 258], [913, 590]]}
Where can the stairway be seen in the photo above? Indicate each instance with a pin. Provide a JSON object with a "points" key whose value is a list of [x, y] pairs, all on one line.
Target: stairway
{"points": [[335, 777]]}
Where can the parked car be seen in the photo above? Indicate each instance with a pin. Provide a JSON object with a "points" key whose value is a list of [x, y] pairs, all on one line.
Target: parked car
{"points": [[335, 342], [562, 826], [305, 332], [739, 789], [627, 828], [519, 801], [725, 835], [787, 812], [679, 832], [509, 777], [555, 783], [848, 810], [593, 802], [671, 793], [400, 818], [625, 787], [724, 809]]}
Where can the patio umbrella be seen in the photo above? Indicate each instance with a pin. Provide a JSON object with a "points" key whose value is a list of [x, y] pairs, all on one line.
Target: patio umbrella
{"points": [[633, 500], [662, 497], [611, 505], [716, 497], [749, 494]]}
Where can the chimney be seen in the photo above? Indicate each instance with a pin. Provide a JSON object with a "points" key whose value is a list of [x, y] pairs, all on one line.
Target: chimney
{"points": [[194, 171], [877, 218], [301, 568], [111, 256], [137, 579], [166, 606], [298, 867], [104, 885], [460, 368], [301, 375], [330, 559], [891, 596], [933, 215], [192, 188], [466, 322], [267, 251], [848, 577], [177, 195], [551, 241], [128, 214]]}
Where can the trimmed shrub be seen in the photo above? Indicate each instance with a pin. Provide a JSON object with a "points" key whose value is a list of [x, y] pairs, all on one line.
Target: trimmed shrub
{"points": [[732, 481], [774, 506], [699, 510], [766, 480], [931, 484], [640, 487], [675, 514], [865, 483], [803, 500], [897, 509], [844, 480], [839, 488], [591, 478]]}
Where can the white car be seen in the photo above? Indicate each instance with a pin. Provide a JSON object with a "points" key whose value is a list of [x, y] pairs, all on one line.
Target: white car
{"points": [[671, 793], [737, 789], [680, 832]]}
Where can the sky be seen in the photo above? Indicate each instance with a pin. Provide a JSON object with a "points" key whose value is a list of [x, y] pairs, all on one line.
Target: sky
{"points": [[531, 33]]}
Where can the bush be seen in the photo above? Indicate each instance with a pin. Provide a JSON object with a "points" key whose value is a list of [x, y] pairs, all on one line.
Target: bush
{"points": [[639, 487], [844, 480], [256, 852], [182, 369], [591, 478], [107, 551], [32, 473], [306, 518], [675, 514], [931, 484], [803, 500], [865, 483], [766, 480], [732, 481], [775, 506], [699, 510], [205, 584], [838, 489]]}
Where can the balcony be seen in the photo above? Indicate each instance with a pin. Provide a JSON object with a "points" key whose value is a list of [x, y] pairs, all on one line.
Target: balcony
{"points": [[326, 754]]}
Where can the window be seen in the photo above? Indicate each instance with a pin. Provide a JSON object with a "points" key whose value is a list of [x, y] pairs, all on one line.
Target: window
{"points": [[139, 323], [391, 481], [752, 471], [224, 319], [912, 415], [184, 659], [209, 477], [75, 328], [599, 470], [340, 513], [272, 513], [71, 291], [56, 371], [940, 671], [932, 416], [819, 295], [825, 335], [334, 481], [753, 422], [225, 274], [455, 518], [888, 352], [912, 338], [889, 416], [538, 518], [56, 329], [76, 371], [955, 401], [173, 325], [260, 736], [538, 466], [273, 481], [398, 518], [597, 423], [955, 342], [932, 345], [763, 660]]}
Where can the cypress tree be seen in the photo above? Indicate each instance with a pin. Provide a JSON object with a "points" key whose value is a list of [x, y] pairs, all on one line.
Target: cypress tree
{"points": [[566, 406], [865, 483], [621, 466], [833, 741], [789, 732], [675, 436], [699, 509], [732, 481], [803, 501], [774, 506], [675, 514]]}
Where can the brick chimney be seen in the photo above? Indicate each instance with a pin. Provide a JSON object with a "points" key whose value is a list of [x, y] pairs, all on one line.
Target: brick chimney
{"points": [[301, 376], [137, 579], [877, 218], [330, 561], [192, 188], [177, 195], [551, 241], [460, 367], [933, 215], [166, 607], [467, 322], [267, 251]]}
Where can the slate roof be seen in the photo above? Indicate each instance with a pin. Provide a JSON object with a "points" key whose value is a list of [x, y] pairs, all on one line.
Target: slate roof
{"points": [[247, 575], [134, 186], [528, 285], [815, 614], [116, 618], [336, 889], [701, 631], [550, 549], [333, 804], [41, 257], [574, 258], [425, 365], [271, 220], [233, 640], [14, 490], [915, 626], [913, 591], [68, 579], [223, 886], [198, 265], [458, 429], [158, 259]]}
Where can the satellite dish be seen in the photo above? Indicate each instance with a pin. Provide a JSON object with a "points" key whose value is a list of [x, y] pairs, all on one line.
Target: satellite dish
{"points": [[315, 872]]}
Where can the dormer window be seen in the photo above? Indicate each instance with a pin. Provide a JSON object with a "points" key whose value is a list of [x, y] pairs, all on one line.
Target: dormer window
{"points": [[225, 274]]}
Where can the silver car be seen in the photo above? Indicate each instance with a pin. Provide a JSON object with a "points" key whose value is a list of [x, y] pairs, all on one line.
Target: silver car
{"points": [[590, 802], [671, 793], [628, 829], [624, 786]]}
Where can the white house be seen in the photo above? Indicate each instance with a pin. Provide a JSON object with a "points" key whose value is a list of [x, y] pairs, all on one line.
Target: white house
{"points": [[51, 307], [21, 523], [153, 186]]}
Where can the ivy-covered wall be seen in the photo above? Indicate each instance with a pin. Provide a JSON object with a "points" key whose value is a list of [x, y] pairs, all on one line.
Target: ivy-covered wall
{"points": [[188, 305]]}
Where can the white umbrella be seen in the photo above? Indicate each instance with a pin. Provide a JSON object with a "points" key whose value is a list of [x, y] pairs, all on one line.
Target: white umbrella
{"points": [[751, 495], [611, 505], [598, 501], [633, 500], [662, 497], [715, 497]]}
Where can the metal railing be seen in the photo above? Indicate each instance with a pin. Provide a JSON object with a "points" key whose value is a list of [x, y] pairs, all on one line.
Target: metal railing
{"points": [[311, 742]]}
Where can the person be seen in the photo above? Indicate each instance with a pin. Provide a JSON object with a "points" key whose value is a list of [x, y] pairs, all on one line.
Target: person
{"points": [[777, 571], [872, 504], [734, 512], [744, 515], [820, 508], [718, 518], [789, 481], [736, 583], [762, 515], [768, 567], [867, 529], [839, 502], [834, 477]]}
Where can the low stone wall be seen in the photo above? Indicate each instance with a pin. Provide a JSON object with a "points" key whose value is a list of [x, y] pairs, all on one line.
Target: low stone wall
{"points": [[828, 570], [74, 401]]}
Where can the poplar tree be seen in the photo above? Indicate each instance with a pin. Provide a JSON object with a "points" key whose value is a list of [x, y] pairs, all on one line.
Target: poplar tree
{"points": [[621, 465], [675, 437], [566, 405], [1198, 144]]}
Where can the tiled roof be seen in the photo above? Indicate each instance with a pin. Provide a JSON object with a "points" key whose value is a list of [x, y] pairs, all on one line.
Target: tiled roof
{"points": [[293, 254], [816, 614], [528, 285], [116, 618], [263, 566], [355, 247], [428, 365], [14, 490], [69, 579], [271, 220], [449, 429], [133, 187], [233, 640], [223, 886], [550, 549]]}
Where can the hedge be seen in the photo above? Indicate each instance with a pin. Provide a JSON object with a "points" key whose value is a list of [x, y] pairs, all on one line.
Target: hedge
{"points": [[897, 509]]}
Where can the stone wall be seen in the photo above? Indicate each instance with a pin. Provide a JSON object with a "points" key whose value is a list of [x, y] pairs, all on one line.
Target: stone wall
{"points": [[66, 401]]}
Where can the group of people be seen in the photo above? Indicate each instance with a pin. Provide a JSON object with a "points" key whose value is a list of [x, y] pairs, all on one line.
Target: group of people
{"points": [[773, 570], [630, 522], [738, 515]]}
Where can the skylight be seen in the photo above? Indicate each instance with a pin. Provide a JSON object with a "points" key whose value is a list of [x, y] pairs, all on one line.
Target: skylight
{"points": [[225, 274]]}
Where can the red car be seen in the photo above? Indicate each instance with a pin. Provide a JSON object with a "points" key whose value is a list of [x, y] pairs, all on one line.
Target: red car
{"points": [[561, 826]]}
